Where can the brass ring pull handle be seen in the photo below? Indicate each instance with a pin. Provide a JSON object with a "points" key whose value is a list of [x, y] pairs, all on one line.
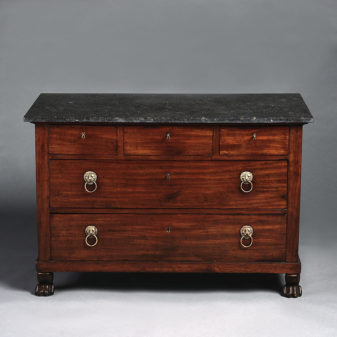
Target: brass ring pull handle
{"points": [[246, 178], [90, 178], [246, 234], [91, 233]]}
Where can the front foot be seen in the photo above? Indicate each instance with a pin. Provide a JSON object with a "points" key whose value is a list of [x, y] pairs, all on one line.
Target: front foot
{"points": [[292, 289], [45, 287]]}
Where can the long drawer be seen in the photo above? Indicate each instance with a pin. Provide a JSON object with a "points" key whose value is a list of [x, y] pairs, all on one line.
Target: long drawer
{"points": [[167, 237], [173, 184]]}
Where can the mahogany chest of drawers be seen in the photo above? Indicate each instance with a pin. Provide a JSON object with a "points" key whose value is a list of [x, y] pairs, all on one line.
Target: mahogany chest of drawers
{"points": [[168, 183]]}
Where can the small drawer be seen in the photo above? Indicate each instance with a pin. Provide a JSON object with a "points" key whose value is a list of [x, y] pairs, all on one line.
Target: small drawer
{"points": [[85, 140], [236, 141], [168, 141], [168, 237]]}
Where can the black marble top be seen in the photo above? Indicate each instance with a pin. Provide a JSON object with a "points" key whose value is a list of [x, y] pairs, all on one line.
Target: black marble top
{"points": [[169, 108]]}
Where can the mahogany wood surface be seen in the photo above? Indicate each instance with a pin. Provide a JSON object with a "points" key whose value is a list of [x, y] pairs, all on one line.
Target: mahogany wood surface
{"points": [[121, 157], [250, 141], [294, 192], [169, 266], [168, 140], [81, 139], [163, 237], [146, 184], [231, 211], [42, 191], [187, 221]]}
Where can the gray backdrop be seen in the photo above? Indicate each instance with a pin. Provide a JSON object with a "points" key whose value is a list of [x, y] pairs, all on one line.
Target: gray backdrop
{"points": [[168, 46]]}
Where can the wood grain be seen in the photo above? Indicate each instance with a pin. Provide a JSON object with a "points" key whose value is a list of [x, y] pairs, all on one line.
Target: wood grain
{"points": [[201, 202], [42, 191], [232, 211], [294, 192], [145, 185], [183, 141], [169, 267], [174, 237], [239, 140], [99, 140]]}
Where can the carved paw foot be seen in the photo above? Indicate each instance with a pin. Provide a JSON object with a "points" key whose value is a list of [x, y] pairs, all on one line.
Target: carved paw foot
{"points": [[292, 289], [44, 289]]}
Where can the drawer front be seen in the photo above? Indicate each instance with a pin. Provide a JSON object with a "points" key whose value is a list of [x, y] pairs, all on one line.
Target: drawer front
{"points": [[169, 237], [93, 140], [170, 184], [168, 141], [254, 141]]}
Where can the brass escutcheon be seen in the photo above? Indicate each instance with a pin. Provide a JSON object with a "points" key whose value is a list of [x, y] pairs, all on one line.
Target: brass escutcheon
{"points": [[83, 135], [246, 178], [90, 178], [91, 231], [246, 232]]}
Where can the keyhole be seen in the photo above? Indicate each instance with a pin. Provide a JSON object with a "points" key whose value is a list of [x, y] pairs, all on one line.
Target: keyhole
{"points": [[83, 135], [168, 176], [168, 229], [168, 136], [254, 136]]}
